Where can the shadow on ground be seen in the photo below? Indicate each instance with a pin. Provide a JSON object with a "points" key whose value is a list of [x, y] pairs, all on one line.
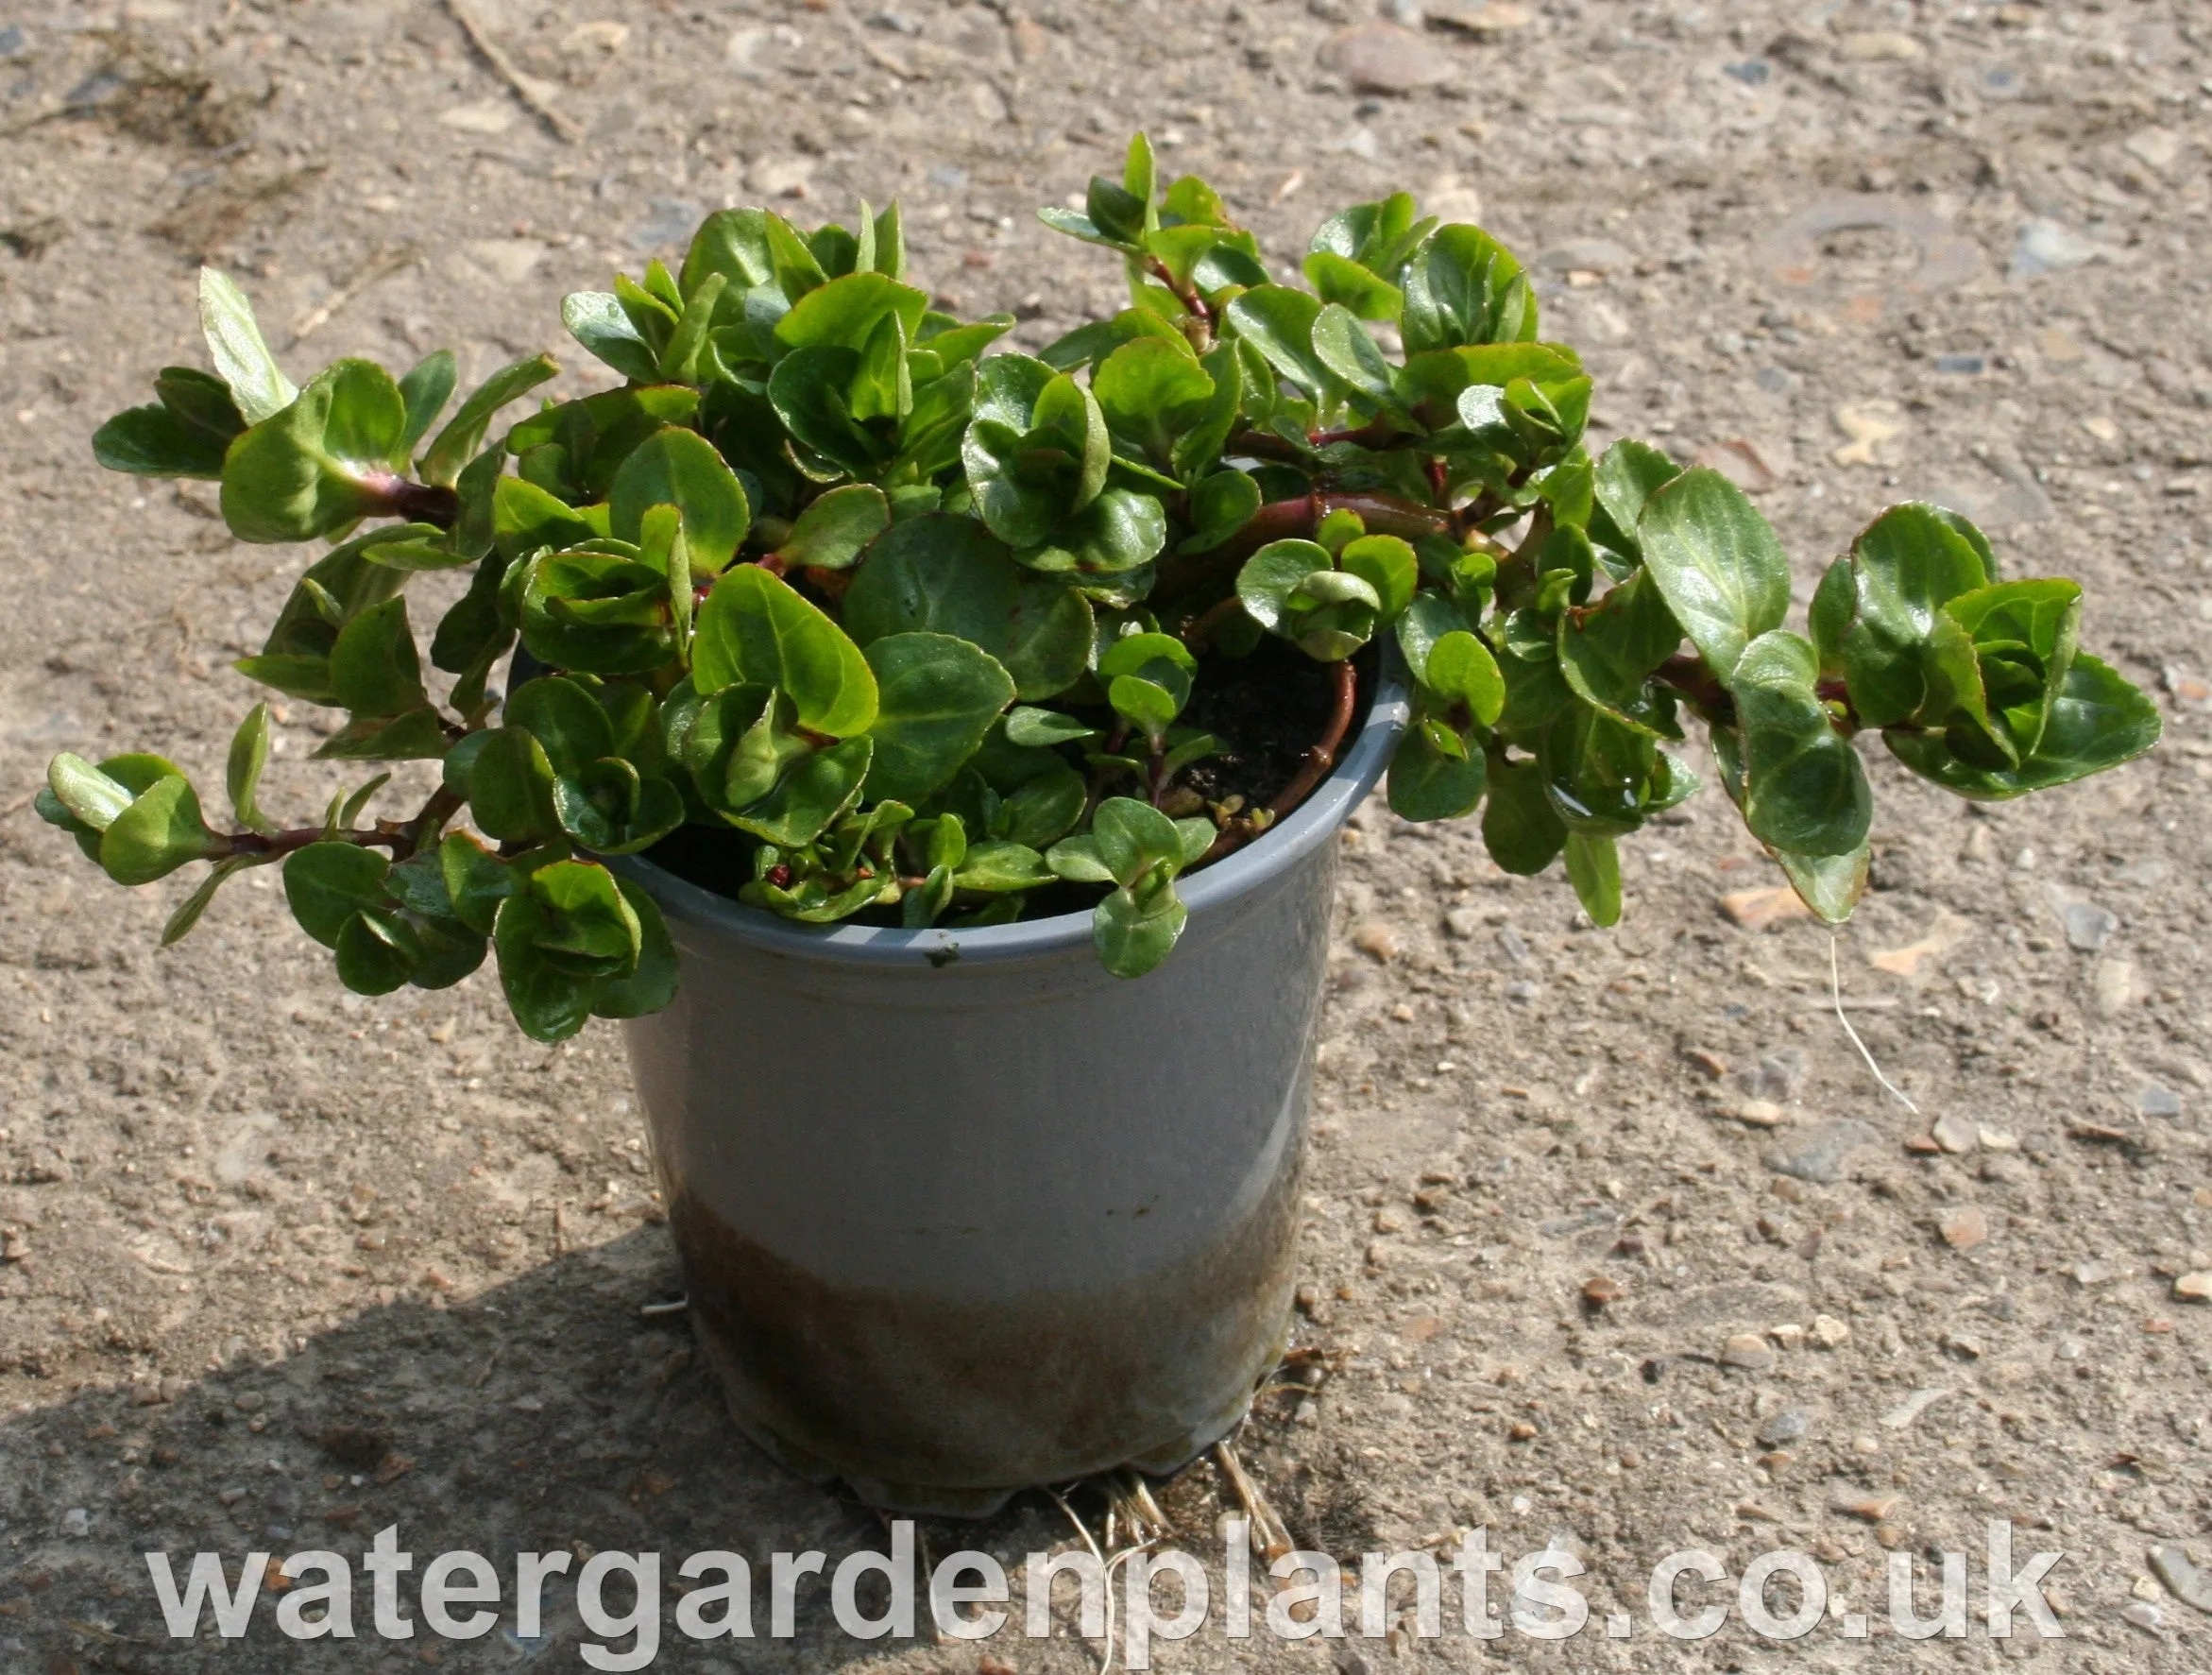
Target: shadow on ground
{"points": [[548, 1412]]}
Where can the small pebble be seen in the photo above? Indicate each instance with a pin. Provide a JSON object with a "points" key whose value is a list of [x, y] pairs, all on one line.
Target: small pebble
{"points": [[1464, 923], [1750, 1351], [1376, 940], [2153, 1101], [1818, 1153], [1965, 1228], [2089, 927], [2112, 986], [1384, 58], [2194, 1288], [1955, 1134], [1874, 1509], [1600, 1290], [1829, 1332], [2190, 1584], [77, 1522], [1901, 1416], [1755, 910], [1785, 1427], [2145, 1615]]}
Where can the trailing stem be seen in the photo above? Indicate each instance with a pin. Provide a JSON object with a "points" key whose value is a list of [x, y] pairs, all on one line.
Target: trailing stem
{"points": [[402, 839]]}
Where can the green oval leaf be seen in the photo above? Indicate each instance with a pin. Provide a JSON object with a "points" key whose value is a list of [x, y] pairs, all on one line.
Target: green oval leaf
{"points": [[948, 575], [1134, 837], [327, 884], [680, 468], [1804, 788], [241, 358], [1717, 564], [832, 531], [1133, 929], [564, 719], [754, 628], [1272, 574], [1386, 564], [1427, 783], [937, 697], [1279, 322]]}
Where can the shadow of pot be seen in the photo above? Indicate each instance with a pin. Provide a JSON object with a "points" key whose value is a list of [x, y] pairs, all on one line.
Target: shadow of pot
{"points": [[959, 1213]]}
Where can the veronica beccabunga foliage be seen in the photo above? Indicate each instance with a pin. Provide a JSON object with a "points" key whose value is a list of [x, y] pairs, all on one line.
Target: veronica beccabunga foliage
{"points": [[915, 627]]}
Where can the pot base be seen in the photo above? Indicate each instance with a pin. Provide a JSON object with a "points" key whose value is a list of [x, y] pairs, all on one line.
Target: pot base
{"points": [[927, 1404], [934, 1501]]}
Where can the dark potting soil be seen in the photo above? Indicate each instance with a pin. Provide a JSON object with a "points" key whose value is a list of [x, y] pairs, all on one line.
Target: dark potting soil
{"points": [[1268, 709]]}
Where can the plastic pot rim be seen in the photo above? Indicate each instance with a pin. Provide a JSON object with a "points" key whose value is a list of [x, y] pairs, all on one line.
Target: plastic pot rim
{"points": [[1312, 823]]}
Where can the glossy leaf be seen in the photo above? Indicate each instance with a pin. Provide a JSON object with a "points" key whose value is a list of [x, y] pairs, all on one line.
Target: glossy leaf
{"points": [[1520, 828], [249, 755], [679, 468], [1426, 783], [1804, 790], [509, 787], [1593, 867], [824, 785], [464, 433], [1272, 574], [1608, 653], [375, 668], [836, 528], [601, 324], [1279, 322], [1134, 837], [1386, 564], [1626, 478], [1114, 534], [1151, 392], [756, 629], [937, 697], [242, 359], [322, 461], [2096, 721], [1133, 929], [1460, 670], [1717, 564], [326, 884], [1462, 288]]}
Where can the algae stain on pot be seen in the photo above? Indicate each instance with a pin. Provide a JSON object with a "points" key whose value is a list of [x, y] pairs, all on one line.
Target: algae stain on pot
{"points": [[990, 1396]]}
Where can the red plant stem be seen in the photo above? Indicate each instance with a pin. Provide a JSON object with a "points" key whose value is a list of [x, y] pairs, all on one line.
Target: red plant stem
{"points": [[1283, 519], [418, 502], [1322, 755], [283, 843], [1318, 760], [1689, 675], [402, 840], [1263, 445], [830, 584], [1186, 294]]}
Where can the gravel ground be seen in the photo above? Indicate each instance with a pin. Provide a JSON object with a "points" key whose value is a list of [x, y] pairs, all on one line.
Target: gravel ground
{"points": [[1614, 1240]]}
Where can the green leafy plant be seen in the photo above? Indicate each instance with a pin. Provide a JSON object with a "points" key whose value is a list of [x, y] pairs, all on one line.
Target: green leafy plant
{"points": [[869, 622]]}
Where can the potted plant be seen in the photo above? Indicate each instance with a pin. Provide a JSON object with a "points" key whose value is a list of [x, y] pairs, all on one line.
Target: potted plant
{"points": [[935, 755]]}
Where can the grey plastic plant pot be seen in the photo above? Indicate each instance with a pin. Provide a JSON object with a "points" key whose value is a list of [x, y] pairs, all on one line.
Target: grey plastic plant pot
{"points": [[958, 1212]]}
